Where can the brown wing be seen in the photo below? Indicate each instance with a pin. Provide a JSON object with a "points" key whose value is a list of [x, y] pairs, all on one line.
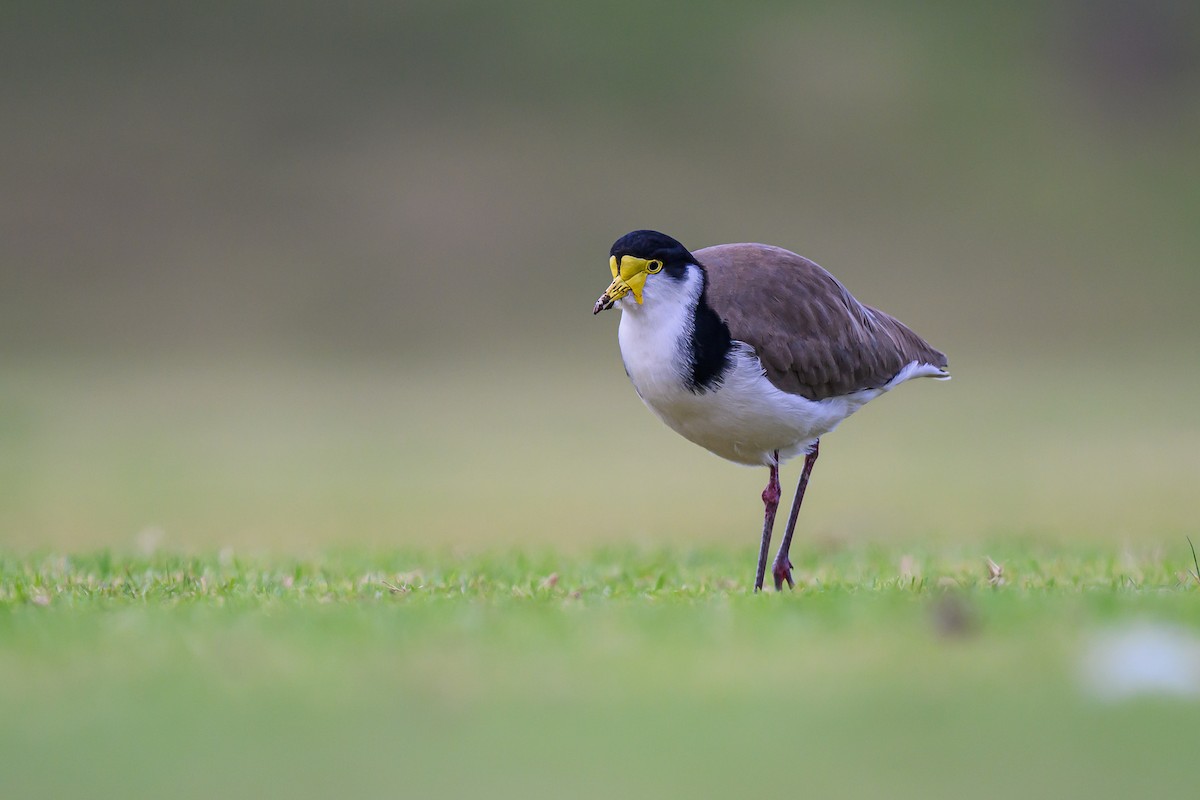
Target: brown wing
{"points": [[813, 338]]}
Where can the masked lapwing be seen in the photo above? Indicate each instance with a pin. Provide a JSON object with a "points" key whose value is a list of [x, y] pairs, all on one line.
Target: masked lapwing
{"points": [[754, 353]]}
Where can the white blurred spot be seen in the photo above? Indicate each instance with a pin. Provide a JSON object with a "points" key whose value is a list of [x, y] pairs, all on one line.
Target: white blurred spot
{"points": [[1142, 659], [149, 539]]}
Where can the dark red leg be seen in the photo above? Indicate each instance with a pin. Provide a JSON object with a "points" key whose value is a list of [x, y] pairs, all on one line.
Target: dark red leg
{"points": [[770, 498], [782, 568]]}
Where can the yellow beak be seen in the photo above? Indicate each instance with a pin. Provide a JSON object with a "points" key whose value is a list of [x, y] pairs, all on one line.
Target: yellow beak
{"points": [[628, 277]]}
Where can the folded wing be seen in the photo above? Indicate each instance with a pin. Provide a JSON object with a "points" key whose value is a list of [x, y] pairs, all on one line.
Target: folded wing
{"points": [[813, 337]]}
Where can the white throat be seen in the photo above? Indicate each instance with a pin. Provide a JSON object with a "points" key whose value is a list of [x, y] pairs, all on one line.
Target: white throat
{"points": [[655, 337]]}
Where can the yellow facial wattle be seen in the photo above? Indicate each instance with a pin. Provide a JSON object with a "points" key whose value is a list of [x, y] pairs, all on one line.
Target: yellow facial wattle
{"points": [[629, 276]]}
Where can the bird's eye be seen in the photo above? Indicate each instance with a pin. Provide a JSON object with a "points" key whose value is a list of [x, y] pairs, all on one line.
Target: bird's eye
{"points": [[654, 266]]}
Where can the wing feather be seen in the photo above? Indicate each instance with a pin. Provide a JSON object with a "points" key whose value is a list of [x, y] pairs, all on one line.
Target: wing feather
{"points": [[812, 336]]}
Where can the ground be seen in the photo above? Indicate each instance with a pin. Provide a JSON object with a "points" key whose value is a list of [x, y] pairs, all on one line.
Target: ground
{"points": [[618, 671], [354, 580]]}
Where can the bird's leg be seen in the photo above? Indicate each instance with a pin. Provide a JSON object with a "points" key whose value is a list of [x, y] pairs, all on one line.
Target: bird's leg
{"points": [[770, 498], [782, 568]]}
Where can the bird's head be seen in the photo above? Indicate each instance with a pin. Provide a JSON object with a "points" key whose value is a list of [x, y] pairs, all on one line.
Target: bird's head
{"points": [[637, 258]]}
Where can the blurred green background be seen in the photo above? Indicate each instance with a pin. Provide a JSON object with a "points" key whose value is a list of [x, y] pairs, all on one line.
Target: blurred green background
{"points": [[286, 280], [279, 275]]}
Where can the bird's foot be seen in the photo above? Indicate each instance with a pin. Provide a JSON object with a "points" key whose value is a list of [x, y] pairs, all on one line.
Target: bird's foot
{"points": [[782, 571]]}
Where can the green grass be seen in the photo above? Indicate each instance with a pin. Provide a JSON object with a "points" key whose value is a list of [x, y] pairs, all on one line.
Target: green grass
{"points": [[416, 578], [364, 579], [614, 671]]}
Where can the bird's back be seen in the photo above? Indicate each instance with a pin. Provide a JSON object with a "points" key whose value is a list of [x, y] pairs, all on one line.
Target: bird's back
{"points": [[813, 337]]}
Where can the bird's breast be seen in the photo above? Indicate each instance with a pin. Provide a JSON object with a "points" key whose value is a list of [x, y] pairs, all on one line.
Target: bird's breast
{"points": [[744, 418]]}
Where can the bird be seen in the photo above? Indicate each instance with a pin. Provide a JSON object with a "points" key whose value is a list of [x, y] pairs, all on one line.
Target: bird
{"points": [[754, 353]]}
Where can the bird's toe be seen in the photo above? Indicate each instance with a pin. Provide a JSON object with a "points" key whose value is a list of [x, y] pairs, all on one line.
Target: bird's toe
{"points": [[782, 571]]}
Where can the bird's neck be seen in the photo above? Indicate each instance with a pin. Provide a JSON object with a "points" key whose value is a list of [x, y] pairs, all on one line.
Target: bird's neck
{"points": [[676, 326]]}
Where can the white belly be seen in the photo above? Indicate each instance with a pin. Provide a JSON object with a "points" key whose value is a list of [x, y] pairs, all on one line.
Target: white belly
{"points": [[746, 419]]}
